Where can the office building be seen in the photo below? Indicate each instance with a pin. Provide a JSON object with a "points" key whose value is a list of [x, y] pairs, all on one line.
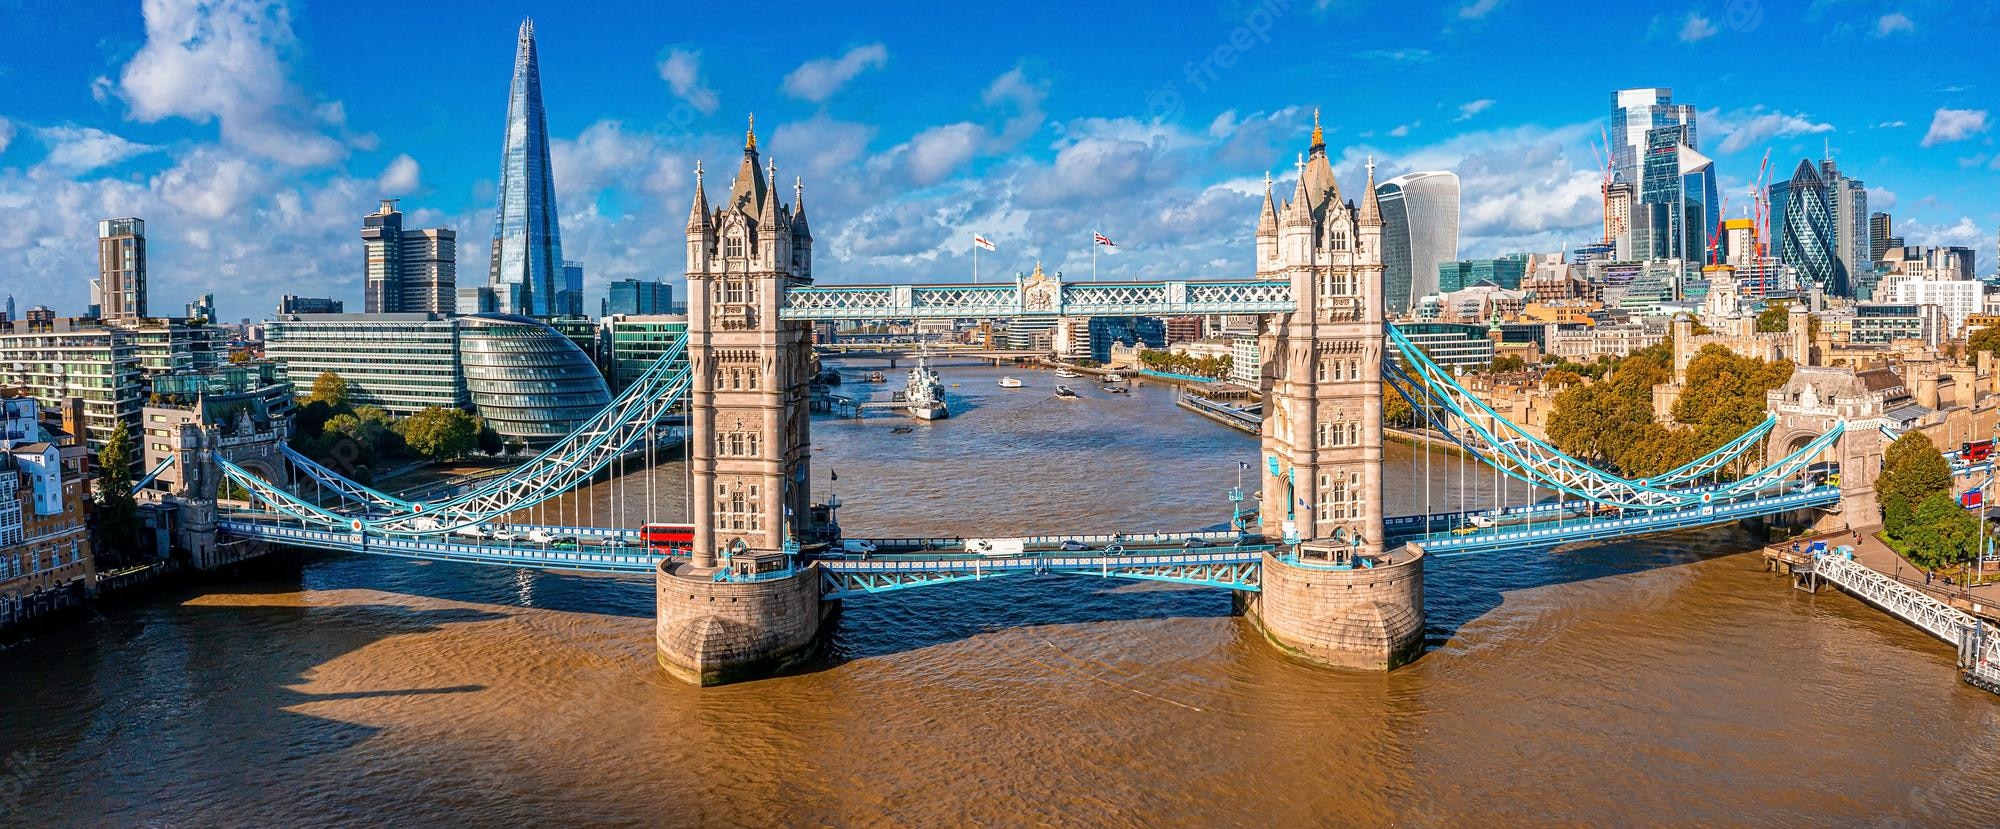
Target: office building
{"points": [[1681, 182], [1244, 365], [1881, 323], [1634, 113], [404, 363], [1956, 299], [120, 290], [203, 309], [1147, 332], [1419, 233], [479, 299], [1802, 230], [55, 359], [1450, 344], [1879, 233], [527, 380], [1849, 199], [289, 304], [633, 342], [569, 299], [407, 271], [633, 297], [527, 261], [1182, 329], [1505, 272], [1618, 200]]}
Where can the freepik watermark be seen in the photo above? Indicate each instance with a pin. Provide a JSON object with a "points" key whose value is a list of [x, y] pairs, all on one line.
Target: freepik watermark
{"points": [[1166, 102]]}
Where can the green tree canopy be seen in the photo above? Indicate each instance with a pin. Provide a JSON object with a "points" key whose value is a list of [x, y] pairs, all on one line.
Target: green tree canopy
{"points": [[331, 389], [440, 434], [1985, 339], [1941, 533], [117, 514], [1913, 470]]}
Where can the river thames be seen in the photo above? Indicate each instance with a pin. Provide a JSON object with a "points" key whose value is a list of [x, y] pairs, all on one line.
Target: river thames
{"points": [[1665, 681]]}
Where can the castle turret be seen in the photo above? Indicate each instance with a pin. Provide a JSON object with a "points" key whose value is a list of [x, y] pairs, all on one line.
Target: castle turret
{"points": [[700, 226]]}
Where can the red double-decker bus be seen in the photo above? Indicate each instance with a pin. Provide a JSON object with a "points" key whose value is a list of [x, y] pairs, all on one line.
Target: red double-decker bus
{"points": [[668, 538], [1975, 452]]}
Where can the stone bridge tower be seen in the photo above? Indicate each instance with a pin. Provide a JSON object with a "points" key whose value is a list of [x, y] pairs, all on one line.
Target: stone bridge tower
{"points": [[749, 448], [1813, 401], [1335, 597]]}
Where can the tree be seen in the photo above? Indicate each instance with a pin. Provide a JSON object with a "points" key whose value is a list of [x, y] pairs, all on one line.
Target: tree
{"points": [[117, 512], [1941, 534], [1561, 378], [1912, 470], [331, 389], [440, 434], [1776, 318], [1396, 410], [1506, 363], [1985, 339], [489, 440]]}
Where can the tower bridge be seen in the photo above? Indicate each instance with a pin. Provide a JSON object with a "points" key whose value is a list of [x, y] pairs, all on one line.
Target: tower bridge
{"points": [[1317, 566]]}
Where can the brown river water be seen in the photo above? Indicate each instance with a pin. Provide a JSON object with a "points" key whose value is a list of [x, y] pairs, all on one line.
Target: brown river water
{"points": [[1664, 681]]}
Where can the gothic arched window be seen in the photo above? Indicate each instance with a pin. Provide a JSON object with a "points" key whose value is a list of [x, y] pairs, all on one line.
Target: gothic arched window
{"points": [[732, 245]]}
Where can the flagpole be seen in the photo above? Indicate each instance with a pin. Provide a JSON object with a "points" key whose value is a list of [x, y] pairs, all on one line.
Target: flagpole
{"points": [[975, 261], [1093, 256]]}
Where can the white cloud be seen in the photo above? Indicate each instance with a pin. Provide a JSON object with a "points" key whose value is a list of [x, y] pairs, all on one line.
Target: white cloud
{"points": [[682, 72], [6, 134], [1026, 95], [817, 80], [931, 155], [1890, 125], [222, 60], [1892, 23], [1400, 131], [1965, 232], [1881, 198], [1477, 9], [1471, 108], [1696, 27], [399, 178], [1948, 125], [80, 149], [1745, 128]]}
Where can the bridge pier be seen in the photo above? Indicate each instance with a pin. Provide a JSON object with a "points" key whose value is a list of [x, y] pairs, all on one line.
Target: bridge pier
{"points": [[710, 632], [1368, 618]]}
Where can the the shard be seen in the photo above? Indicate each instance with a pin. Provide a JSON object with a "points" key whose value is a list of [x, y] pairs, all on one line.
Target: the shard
{"points": [[527, 266]]}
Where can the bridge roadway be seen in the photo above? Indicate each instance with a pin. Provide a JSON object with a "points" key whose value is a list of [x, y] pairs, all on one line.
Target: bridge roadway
{"points": [[1229, 560]]}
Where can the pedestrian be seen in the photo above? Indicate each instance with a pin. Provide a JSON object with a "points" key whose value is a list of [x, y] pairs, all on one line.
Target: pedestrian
{"points": [[1927, 577]]}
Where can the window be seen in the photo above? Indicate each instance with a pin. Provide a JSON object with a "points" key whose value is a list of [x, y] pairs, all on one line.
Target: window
{"points": [[1338, 496], [732, 246], [1338, 433]]}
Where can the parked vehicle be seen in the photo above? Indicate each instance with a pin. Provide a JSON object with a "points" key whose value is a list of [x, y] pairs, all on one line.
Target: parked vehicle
{"points": [[858, 546], [995, 547], [471, 531], [1115, 550], [1074, 546], [1194, 544], [505, 535]]}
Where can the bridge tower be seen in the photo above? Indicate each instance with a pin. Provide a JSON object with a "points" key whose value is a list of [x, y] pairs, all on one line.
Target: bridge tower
{"points": [[1335, 597], [740, 607], [1817, 398]]}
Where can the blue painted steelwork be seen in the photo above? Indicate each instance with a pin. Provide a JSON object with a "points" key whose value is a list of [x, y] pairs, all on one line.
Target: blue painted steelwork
{"points": [[1549, 535], [157, 469], [1079, 299], [1234, 568], [633, 562]]}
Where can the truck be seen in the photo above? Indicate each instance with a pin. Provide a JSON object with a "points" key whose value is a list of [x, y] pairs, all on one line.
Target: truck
{"points": [[996, 547]]}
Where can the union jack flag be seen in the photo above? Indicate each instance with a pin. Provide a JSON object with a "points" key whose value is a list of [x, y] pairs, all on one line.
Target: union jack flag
{"points": [[1102, 239]]}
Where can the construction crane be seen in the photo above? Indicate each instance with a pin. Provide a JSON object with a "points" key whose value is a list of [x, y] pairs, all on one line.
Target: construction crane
{"points": [[1760, 197], [1604, 161]]}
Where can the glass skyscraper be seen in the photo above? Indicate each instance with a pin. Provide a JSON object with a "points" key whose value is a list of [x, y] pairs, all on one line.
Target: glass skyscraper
{"points": [[1802, 228], [527, 267], [1419, 233], [1634, 112], [1682, 181]]}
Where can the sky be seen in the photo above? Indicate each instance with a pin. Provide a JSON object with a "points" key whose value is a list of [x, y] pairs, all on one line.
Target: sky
{"points": [[253, 135]]}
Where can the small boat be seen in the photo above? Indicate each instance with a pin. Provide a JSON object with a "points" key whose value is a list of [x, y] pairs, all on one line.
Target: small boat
{"points": [[875, 377], [1065, 393], [1009, 383], [1114, 377], [902, 430], [1117, 390], [1063, 372]]}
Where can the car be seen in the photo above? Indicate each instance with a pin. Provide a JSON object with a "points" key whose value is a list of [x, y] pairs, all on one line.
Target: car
{"points": [[1115, 550], [619, 541], [1194, 544], [1074, 546], [1465, 530], [857, 545], [470, 531], [508, 536]]}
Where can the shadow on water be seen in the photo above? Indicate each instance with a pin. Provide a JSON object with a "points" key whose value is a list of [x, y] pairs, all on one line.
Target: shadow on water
{"points": [[1462, 589], [909, 620], [561, 591], [208, 687]]}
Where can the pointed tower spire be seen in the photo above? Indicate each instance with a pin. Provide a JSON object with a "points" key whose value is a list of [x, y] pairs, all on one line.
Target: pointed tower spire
{"points": [[750, 135], [698, 212], [1299, 209], [746, 192], [767, 212], [798, 203], [1318, 146], [1267, 218], [1371, 207]]}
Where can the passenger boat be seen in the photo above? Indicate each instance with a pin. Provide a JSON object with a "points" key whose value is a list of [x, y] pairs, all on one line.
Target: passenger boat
{"points": [[1009, 383], [1114, 377], [1063, 372], [875, 377], [1117, 390], [1065, 393]]}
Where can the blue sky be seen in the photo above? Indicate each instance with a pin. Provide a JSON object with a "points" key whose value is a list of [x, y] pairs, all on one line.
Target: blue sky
{"points": [[252, 135]]}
